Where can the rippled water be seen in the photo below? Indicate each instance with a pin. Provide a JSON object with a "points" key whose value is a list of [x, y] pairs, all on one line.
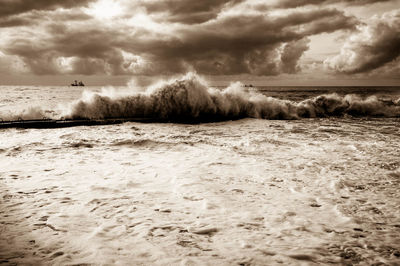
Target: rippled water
{"points": [[250, 192]]}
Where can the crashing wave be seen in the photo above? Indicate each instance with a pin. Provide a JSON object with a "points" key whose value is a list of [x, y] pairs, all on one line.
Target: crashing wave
{"points": [[191, 99]]}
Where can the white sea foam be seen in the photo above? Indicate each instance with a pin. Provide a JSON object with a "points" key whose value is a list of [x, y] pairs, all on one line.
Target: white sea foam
{"points": [[266, 192]]}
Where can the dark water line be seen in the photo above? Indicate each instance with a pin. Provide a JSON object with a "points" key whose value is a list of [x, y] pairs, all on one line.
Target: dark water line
{"points": [[62, 123], [50, 123]]}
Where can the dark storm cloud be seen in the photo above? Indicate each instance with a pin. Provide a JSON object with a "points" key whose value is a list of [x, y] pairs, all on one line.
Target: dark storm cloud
{"points": [[374, 46], [235, 44], [241, 43], [292, 53], [35, 17], [198, 36], [189, 12], [91, 51], [298, 3], [13, 22], [13, 7]]}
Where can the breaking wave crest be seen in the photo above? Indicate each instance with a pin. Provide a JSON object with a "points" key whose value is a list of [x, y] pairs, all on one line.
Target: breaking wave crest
{"points": [[191, 99]]}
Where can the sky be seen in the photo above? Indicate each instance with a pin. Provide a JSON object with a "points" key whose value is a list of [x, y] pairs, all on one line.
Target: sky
{"points": [[275, 42]]}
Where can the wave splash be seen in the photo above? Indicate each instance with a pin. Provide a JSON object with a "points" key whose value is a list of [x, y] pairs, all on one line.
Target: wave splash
{"points": [[191, 99]]}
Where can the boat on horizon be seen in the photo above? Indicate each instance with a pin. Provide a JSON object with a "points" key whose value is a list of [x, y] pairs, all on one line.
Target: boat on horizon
{"points": [[76, 83]]}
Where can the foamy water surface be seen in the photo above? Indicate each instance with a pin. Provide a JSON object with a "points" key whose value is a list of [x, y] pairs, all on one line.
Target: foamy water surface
{"points": [[250, 191]]}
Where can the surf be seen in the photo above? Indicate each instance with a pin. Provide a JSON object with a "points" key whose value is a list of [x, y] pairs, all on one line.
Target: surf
{"points": [[190, 99]]}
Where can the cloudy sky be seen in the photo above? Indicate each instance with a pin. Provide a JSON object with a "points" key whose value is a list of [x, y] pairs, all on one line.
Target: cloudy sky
{"points": [[275, 42]]}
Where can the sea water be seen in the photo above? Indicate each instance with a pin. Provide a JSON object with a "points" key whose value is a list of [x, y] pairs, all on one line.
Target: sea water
{"points": [[290, 176]]}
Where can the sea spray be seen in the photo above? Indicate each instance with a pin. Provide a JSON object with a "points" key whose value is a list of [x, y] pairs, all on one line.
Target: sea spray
{"points": [[191, 99], [30, 113]]}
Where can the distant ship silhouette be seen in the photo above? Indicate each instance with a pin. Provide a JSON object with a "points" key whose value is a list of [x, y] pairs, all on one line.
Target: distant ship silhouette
{"points": [[77, 84]]}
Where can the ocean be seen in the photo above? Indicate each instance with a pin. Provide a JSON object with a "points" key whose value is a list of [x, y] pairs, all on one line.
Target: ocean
{"points": [[236, 175]]}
